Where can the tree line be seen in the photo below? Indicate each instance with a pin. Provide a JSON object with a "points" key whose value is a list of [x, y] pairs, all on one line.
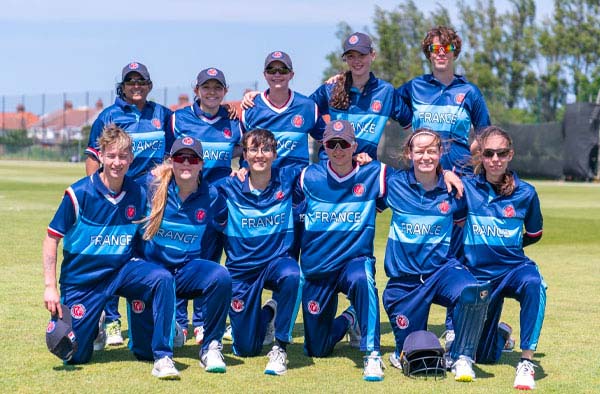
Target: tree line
{"points": [[525, 68]]}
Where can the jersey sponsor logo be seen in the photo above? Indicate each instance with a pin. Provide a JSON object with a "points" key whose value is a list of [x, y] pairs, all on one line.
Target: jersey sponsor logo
{"points": [[335, 217], [138, 306], [420, 229], [279, 195], [297, 121], [365, 127], [227, 133], [444, 207], [313, 307], [264, 221], [200, 215], [140, 146], [177, 236], [130, 212], [111, 240], [353, 39], [286, 144], [77, 311], [459, 98], [187, 141], [402, 322], [133, 66], [338, 126], [435, 117], [489, 231], [156, 123], [213, 154], [212, 72], [509, 211], [358, 189], [51, 326], [277, 55], [376, 106], [237, 305]]}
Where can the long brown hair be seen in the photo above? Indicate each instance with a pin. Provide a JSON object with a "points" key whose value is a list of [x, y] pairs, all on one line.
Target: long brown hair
{"points": [[163, 173], [340, 94], [506, 187]]}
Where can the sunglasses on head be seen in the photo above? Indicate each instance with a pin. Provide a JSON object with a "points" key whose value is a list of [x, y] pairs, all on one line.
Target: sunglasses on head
{"points": [[275, 70], [192, 159], [435, 48], [332, 144], [133, 82], [502, 153]]}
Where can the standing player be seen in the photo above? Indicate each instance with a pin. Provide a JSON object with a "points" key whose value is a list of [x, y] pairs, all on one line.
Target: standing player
{"points": [[181, 224], [260, 234], [209, 122], [500, 207], [416, 257], [337, 248], [146, 123], [97, 221]]}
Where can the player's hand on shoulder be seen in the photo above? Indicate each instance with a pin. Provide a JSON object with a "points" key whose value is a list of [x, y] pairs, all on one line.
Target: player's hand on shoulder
{"points": [[453, 181], [240, 174], [362, 158], [333, 80], [248, 99]]}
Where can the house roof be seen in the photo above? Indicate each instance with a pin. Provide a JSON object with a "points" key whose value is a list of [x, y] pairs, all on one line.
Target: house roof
{"points": [[69, 117], [19, 120]]}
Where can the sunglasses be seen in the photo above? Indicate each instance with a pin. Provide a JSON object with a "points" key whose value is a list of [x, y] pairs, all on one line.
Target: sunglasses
{"points": [[275, 70], [265, 150], [133, 82], [502, 153], [192, 159], [332, 144], [435, 48]]}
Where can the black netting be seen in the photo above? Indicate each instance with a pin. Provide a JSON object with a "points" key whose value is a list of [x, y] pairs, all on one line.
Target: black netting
{"points": [[581, 141]]}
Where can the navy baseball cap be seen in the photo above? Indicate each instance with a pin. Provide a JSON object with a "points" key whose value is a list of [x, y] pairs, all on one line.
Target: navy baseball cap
{"points": [[210, 73], [60, 337], [278, 56], [359, 42], [339, 129], [135, 67], [187, 143]]}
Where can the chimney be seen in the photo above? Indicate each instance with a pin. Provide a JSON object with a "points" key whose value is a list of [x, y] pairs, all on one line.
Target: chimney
{"points": [[68, 105], [20, 108], [99, 104]]}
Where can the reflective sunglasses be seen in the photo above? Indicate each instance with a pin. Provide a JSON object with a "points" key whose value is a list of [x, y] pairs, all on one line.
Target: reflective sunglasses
{"points": [[502, 153], [435, 48], [265, 150], [332, 144], [192, 159], [275, 70], [133, 82]]}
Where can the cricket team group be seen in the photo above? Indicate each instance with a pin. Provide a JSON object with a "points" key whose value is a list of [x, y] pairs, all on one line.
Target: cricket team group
{"points": [[161, 204]]}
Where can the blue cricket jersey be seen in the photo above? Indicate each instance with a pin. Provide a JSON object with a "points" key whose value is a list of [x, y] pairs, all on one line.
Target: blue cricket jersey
{"points": [[369, 112], [260, 226], [339, 215], [493, 233], [148, 129], [98, 229], [188, 229], [449, 110], [291, 125], [219, 136], [421, 226]]}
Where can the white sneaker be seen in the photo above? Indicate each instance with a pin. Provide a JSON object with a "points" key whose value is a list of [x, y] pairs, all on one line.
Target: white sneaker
{"points": [[227, 336], [113, 333], [373, 371], [180, 336], [505, 330], [212, 360], [448, 337], [354, 335], [165, 369], [524, 380], [395, 361], [463, 369], [100, 341], [199, 334], [270, 334], [277, 364]]}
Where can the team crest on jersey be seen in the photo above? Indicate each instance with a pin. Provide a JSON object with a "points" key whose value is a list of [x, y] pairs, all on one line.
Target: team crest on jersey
{"points": [[277, 55], [200, 215], [134, 66], [280, 195], [459, 98], [509, 211], [358, 189], [156, 123], [227, 133], [483, 294], [402, 322], [297, 120], [444, 207], [130, 212], [353, 39], [77, 311], [376, 106], [237, 305], [51, 326], [313, 307], [138, 306], [338, 126], [212, 72], [187, 141]]}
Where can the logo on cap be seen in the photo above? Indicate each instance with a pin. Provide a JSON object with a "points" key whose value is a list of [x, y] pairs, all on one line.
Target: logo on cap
{"points": [[71, 336], [134, 66], [138, 306], [227, 133], [277, 55], [212, 72], [297, 120], [353, 39], [376, 106], [402, 322], [444, 207], [130, 212], [187, 141], [313, 307], [200, 215], [237, 305], [78, 311], [338, 126], [50, 327], [156, 123], [358, 189], [509, 211]]}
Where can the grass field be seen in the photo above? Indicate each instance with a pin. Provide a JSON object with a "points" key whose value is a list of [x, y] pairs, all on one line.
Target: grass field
{"points": [[569, 356]]}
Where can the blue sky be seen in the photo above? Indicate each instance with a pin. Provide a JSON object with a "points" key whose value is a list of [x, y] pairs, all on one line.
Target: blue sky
{"points": [[72, 46]]}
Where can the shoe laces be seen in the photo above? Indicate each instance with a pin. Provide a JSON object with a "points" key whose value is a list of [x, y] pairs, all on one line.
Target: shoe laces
{"points": [[373, 360], [525, 367], [113, 328], [277, 354], [166, 362]]}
